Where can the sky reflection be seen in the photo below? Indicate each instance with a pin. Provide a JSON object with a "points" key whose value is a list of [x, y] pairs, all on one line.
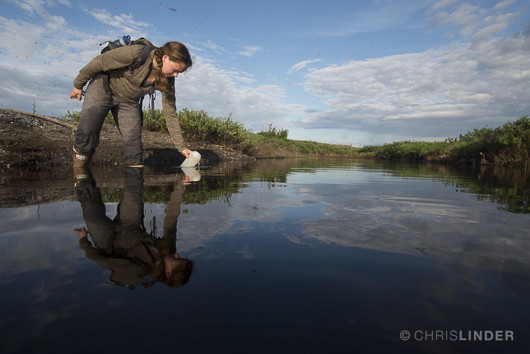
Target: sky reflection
{"points": [[341, 256]]}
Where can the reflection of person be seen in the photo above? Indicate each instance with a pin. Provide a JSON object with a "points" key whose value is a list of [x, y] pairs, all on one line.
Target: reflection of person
{"points": [[123, 245], [121, 91]]}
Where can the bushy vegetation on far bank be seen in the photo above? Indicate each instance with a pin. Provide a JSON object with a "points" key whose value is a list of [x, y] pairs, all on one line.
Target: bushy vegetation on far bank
{"points": [[505, 145]]}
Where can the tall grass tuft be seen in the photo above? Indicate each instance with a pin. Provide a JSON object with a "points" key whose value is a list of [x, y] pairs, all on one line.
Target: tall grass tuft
{"points": [[198, 126]]}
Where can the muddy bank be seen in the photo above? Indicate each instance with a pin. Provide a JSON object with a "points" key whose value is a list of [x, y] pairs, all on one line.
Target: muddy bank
{"points": [[36, 142], [36, 158]]}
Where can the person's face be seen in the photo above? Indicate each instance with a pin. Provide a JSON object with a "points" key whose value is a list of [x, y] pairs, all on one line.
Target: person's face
{"points": [[173, 262], [172, 68]]}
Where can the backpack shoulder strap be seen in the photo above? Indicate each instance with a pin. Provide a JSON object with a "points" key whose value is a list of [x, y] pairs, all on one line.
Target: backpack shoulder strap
{"points": [[144, 54]]}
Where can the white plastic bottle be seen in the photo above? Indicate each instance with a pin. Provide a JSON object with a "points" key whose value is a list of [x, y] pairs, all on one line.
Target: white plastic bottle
{"points": [[193, 159]]}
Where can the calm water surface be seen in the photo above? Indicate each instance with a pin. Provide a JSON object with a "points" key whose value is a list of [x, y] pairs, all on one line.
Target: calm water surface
{"points": [[306, 256]]}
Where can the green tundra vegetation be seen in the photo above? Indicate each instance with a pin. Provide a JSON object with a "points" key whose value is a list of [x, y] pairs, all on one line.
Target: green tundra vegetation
{"points": [[505, 145]]}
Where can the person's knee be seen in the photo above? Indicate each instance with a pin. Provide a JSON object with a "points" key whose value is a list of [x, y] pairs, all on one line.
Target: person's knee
{"points": [[133, 155]]}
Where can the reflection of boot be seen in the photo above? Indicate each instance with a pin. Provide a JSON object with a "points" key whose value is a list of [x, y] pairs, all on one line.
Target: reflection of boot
{"points": [[81, 160], [81, 168], [81, 174]]}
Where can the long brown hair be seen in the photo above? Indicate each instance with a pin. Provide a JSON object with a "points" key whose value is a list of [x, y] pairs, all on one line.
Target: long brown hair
{"points": [[176, 52]]}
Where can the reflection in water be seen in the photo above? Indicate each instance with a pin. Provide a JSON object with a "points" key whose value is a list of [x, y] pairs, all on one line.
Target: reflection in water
{"points": [[290, 256], [123, 245]]}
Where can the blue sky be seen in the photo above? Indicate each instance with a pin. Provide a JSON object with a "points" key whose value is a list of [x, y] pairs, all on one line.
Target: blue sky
{"points": [[349, 72]]}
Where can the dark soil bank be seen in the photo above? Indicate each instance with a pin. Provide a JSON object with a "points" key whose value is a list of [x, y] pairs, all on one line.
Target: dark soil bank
{"points": [[36, 142]]}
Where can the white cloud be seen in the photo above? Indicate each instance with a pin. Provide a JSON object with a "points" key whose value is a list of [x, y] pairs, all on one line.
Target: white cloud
{"points": [[301, 65], [38, 8], [381, 16], [16, 42], [46, 93], [416, 94], [207, 46], [458, 83], [250, 51], [503, 4], [30, 6], [442, 4], [206, 85], [125, 23], [498, 24], [463, 16]]}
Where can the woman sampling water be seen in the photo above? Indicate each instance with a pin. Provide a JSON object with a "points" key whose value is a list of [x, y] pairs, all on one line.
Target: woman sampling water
{"points": [[116, 85]]}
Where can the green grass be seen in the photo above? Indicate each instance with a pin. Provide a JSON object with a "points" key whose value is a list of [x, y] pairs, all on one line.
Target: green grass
{"points": [[505, 145]]}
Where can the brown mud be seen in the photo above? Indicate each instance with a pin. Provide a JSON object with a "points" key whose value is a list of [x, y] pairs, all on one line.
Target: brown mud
{"points": [[36, 158], [36, 142]]}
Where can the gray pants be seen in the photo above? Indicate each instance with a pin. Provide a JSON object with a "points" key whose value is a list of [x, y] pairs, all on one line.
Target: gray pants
{"points": [[130, 209], [128, 117]]}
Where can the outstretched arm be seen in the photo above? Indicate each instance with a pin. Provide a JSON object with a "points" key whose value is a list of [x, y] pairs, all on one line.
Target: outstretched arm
{"points": [[172, 120]]}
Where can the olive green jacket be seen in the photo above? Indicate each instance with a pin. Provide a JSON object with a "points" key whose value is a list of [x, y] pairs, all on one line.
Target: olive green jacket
{"points": [[128, 86]]}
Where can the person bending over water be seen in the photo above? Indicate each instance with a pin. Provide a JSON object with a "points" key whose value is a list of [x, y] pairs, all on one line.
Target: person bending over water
{"points": [[113, 87]]}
